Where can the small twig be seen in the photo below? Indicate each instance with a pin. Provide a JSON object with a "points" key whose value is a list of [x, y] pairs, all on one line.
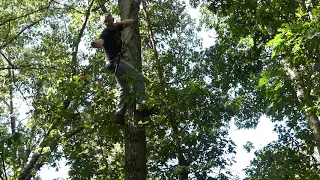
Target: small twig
{"points": [[24, 15], [102, 6], [277, 11], [4, 39], [68, 7]]}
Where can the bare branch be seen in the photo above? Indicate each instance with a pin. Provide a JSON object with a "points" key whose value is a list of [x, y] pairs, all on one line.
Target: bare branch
{"points": [[12, 118], [3, 100]]}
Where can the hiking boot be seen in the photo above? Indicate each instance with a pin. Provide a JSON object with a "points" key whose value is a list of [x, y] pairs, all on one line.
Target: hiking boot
{"points": [[119, 119]]}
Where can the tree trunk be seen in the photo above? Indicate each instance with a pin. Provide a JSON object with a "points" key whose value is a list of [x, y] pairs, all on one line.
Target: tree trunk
{"points": [[135, 136], [12, 116], [306, 103], [314, 125]]}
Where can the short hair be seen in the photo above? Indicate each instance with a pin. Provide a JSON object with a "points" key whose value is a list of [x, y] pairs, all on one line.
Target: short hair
{"points": [[107, 14], [102, 18]]}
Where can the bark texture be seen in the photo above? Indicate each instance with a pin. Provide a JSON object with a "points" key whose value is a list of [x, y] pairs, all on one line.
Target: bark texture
{"points": [[135, 136]]}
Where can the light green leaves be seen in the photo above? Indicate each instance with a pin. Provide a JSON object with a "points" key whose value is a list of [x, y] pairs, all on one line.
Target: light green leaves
{"points": [[262, 81]]}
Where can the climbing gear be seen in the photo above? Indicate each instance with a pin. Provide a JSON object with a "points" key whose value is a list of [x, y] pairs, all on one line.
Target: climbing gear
{"points": [[113, 64]]}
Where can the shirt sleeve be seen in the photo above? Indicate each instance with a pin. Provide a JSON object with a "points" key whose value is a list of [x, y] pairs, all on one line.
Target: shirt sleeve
{"points": [[103, 35], [120, 27]]}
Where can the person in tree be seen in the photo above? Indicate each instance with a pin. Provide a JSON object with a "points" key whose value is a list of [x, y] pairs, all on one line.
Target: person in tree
{"points": [[110, 40]]}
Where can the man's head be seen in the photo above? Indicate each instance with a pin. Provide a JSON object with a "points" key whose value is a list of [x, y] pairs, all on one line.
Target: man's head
{"points": [[108, 19]]}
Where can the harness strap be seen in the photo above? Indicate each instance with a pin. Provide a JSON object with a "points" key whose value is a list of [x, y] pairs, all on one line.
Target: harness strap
{"points": [[117, 61]]}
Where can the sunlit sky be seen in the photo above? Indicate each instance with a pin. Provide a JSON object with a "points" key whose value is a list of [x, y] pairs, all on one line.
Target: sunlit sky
{"points": [[260, 136]]}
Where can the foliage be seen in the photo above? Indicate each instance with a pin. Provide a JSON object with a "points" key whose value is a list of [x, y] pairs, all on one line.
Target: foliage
{"points": [[44, 47], [266, 54], [191, 133], [288, 158]]}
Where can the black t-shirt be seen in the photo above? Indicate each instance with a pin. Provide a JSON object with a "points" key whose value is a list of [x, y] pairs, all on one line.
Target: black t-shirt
{"points": [[112, 41]]}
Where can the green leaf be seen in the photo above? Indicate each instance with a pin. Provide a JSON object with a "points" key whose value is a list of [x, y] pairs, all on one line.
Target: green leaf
{"points": [[87, 126], [262, 81], [275, 41]]}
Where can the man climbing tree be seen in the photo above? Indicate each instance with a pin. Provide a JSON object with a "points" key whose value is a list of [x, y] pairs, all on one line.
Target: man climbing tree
{"points": [[125, 73]]}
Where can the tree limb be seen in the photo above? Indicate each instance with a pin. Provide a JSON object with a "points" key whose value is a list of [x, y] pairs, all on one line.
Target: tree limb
{"points": [[4, 167], [9, 62], [24, 15], [68, 6], [15, 37], [102, 6], [35, 157], [34, 161], [154, 45], [4, 39], [77, 42], [31, 66]]}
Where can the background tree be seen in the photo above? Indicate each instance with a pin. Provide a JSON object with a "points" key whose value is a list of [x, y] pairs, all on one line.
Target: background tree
{"points": [[266, 53], [44, 46], [190, 134]]}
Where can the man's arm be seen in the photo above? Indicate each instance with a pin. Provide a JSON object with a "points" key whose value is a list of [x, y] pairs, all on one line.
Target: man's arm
{"points": [[98, 43], [126, 23]]}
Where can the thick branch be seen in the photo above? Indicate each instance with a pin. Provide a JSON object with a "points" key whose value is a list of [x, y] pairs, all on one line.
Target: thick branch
{"points": [[37, 167], [77, 42]]}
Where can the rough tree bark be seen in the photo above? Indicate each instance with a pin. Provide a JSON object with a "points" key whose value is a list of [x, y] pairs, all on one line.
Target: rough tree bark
{"points": [[135, 136]]}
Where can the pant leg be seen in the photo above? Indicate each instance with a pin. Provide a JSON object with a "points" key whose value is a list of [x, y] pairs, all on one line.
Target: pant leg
{"points": [[126, 76], [139, 88], [124, 91]]}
